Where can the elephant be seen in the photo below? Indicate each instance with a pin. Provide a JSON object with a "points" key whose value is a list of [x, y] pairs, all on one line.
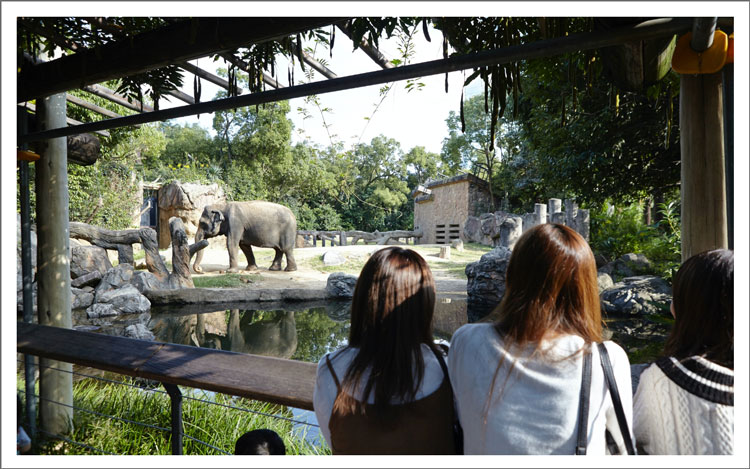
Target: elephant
{"points": [[247, 224]]}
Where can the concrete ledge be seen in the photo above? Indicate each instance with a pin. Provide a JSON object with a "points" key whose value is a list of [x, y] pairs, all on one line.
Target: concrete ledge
{"points": [[188, 296]]}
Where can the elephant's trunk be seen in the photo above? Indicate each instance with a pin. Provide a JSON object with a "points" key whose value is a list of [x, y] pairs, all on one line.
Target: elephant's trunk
{"points": [[199, 255]]}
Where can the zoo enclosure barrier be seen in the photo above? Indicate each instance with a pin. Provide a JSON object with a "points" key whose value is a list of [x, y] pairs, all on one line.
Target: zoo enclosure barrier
{"points": [[341, 238], [273, 380]]}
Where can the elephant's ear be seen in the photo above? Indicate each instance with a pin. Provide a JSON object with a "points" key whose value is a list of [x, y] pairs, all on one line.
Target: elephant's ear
{"points": [[216, 217]]}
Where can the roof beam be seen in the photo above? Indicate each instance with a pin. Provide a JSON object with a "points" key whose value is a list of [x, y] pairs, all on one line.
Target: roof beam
{"points": [[325, 71], [91, 106], [174, 43], [106, 93], [371, 51], [216, 80], [547, 48], [71, 122]]}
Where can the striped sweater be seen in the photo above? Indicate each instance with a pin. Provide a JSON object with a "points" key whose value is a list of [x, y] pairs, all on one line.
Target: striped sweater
{"points": [[685, 407]]}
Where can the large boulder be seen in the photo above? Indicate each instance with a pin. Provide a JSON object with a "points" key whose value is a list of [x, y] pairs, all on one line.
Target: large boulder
{"points": [[143, 280], [186, 201], [627, 265], [333, 258], [340, 285], [125, 300], [81, 298], [486, 277], [604, 281], [637, 296], [100, 310], [115, 278], [90, 279], [85, 259]]}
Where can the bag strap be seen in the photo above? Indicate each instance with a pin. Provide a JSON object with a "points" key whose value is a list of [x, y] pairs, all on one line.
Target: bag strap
{"points": [[583, 404], [609, 375], [333, 374]]}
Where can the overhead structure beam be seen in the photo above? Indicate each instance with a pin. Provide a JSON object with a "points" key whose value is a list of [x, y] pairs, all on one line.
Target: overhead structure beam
{"points": [[171, 44], [71, 122], [210, 77], [322, 69], [106, 93], [243, 66], [91, 106], [371, 51], [547, 48]]}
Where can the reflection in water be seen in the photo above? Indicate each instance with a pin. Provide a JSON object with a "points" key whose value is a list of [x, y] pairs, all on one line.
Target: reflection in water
{"points": [[302, 331]]}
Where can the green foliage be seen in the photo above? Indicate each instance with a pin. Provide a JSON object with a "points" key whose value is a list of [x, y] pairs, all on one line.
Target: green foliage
{"points": [[318, 334], [621, 230]]}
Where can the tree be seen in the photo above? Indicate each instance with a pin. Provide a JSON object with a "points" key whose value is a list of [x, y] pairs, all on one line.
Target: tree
{"points": [[422, 165]]}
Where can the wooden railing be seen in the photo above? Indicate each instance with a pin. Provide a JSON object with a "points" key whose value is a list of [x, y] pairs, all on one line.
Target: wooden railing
{"points": [[341, 238], [276, 380]]}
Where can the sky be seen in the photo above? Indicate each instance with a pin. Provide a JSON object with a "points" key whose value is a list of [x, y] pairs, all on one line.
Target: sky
{"points": [[416, 118]]}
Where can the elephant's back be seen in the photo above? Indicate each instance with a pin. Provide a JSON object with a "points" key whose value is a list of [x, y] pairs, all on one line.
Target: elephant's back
{"points": [[269, 224]]}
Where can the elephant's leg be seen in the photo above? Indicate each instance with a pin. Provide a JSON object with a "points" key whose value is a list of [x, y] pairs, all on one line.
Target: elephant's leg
{"points": [[232, 248], [248, 250], [291, 264], [276, 264]]}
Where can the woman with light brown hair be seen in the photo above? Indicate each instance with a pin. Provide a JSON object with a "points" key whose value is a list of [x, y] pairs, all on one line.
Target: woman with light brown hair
{"points": [[518, 381], [386, 392], [685, 400]]}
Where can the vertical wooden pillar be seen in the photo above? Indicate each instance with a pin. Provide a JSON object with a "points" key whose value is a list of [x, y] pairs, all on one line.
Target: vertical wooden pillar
{"points": [[53, 268], [703, 193]]}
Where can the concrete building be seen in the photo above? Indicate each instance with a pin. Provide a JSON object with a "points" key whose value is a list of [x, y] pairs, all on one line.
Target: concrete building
{"points": [[442, 207]]}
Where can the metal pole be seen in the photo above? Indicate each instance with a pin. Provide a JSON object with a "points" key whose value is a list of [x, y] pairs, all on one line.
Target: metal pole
{"points": [[28, 298], [175, 396], [547, 48]]}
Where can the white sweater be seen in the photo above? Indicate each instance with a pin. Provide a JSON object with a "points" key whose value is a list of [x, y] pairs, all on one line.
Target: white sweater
{"points": [[685, 408], [537, 411], [325, 388]]}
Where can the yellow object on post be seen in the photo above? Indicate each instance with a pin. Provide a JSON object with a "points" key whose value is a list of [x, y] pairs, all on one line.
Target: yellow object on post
{"points": [[25, 155], [686, 61]]}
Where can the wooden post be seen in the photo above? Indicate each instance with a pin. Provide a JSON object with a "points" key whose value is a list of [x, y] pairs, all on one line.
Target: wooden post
{"points": [[342, 237], [53, 267], [704, 215]]}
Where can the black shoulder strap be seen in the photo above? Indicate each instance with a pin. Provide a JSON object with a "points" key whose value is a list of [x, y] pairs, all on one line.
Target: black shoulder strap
{"points": [[441, 360], [609, 376], [583, 403]]}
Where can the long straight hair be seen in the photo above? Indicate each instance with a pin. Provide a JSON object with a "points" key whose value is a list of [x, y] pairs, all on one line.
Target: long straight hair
{"points": [[703, 301], [392, 309], [551, 288]]}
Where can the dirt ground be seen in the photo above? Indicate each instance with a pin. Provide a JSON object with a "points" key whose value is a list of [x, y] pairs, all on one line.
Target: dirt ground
{"points": [[216, 261]]}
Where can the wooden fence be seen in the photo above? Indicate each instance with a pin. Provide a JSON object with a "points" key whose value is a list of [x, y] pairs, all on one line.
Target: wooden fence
{"points": [[342, 238]]}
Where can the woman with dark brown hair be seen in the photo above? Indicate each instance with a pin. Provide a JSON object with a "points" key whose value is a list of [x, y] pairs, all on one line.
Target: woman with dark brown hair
{"points": [[518, 381], [685, 400], [386, 391]]}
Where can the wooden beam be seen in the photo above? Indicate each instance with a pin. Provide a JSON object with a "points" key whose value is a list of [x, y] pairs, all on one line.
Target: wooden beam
{"points": [[106, 93], [371, 51], [325, 71], [243, 66], [547, 48], [70, 121], [175, 43], [91, 106], [216, 80], [276, 380]]}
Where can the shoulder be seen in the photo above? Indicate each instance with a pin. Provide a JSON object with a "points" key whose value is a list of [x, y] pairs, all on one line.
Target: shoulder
{"points": [[617, 354], [469, 332]]}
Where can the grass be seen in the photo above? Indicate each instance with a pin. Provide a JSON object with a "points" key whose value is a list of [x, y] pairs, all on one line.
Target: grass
{"points": [[214, 424], [224, 280]]}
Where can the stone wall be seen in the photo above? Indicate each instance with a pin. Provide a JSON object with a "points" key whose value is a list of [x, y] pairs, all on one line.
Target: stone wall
{"points": [[442, 214], [503, 229], [442, 207], [186, 201]]}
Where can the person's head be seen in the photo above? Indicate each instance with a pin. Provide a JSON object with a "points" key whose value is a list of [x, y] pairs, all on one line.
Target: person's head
{"points": [[262, 441], [703, 306], [551, 287], [391, 316]]}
